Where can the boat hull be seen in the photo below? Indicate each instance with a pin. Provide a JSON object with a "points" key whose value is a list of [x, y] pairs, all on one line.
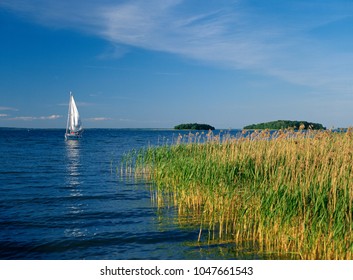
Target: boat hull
{"points": [[71, 136]]}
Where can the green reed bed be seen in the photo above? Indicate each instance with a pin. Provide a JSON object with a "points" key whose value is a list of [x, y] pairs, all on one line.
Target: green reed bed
{"points": [[289, 192]]}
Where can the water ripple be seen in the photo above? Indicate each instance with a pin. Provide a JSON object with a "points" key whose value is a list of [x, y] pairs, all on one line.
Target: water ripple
{"points": [[62, 200]]}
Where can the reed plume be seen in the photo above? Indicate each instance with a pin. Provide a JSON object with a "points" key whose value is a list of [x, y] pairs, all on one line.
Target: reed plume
{"points": [[288, 191]]}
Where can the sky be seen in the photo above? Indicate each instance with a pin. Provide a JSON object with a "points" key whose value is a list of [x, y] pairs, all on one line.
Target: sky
{"points": [[159, 63]]}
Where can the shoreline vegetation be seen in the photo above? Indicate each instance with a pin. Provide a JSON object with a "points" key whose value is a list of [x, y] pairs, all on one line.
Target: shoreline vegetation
{"points": [[286, 124], [288, 193], [194, 126]]}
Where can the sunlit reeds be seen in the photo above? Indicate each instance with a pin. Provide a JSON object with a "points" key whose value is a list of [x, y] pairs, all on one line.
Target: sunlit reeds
{"points": [[290, 192]]}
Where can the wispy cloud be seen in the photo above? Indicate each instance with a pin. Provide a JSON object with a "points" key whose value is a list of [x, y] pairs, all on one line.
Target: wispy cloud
{"points": [[22, 118], [32, 118], [224, 33], [3, 115], [98, 119], [7, 109], [51, 117]]}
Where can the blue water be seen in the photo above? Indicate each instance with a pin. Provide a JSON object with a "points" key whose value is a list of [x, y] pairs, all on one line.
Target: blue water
{"points": [[64, 200]]}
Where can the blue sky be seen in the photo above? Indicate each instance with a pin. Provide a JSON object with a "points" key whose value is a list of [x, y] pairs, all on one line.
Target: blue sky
{"points": [[158, 63]]}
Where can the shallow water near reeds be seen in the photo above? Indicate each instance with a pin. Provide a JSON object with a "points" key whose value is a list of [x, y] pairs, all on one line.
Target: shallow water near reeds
{"points": [[64, 200]]}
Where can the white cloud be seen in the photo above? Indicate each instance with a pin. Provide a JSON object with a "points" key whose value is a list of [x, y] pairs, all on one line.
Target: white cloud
{"points": [[98, 119], [22, 118], [3, 115], [51, 117], [228, 33], [32, 118], [7, 109]]}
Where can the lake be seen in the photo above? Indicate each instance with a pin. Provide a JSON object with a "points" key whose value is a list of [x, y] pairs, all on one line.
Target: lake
{"points": [[64, 200]]}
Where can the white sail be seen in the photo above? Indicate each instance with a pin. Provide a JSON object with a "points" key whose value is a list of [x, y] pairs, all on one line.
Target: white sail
{"points": [[74, 121], [74, 126]]}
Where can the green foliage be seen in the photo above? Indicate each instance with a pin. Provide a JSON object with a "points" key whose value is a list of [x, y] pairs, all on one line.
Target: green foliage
{"points": [[194, 126], [285, 124], [291, 194]]}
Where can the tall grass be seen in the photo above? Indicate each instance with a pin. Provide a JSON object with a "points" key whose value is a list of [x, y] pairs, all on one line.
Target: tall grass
{"points": [[288, 192]]}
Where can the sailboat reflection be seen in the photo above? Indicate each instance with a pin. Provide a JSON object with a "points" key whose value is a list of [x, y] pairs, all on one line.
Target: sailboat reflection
{"points": [[73, 183], [73, 164]]}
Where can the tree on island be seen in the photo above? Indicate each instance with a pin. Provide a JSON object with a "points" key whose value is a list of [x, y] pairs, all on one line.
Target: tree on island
{"points": [[194, 126], [284, 124]]}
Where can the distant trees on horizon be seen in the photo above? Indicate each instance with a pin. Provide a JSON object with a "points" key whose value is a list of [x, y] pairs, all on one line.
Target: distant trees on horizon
{"points": [[194, 126], [284, 124]]}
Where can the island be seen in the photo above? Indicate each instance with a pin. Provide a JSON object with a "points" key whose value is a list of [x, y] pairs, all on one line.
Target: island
{"points": [[194, 126], [285, 124]]}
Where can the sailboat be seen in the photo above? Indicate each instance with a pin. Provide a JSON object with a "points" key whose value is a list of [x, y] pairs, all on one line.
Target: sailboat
{"points": [[74, 126]]}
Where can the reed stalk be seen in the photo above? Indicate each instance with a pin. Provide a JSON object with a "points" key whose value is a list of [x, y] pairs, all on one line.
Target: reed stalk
{"points": [[290, 192]]}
